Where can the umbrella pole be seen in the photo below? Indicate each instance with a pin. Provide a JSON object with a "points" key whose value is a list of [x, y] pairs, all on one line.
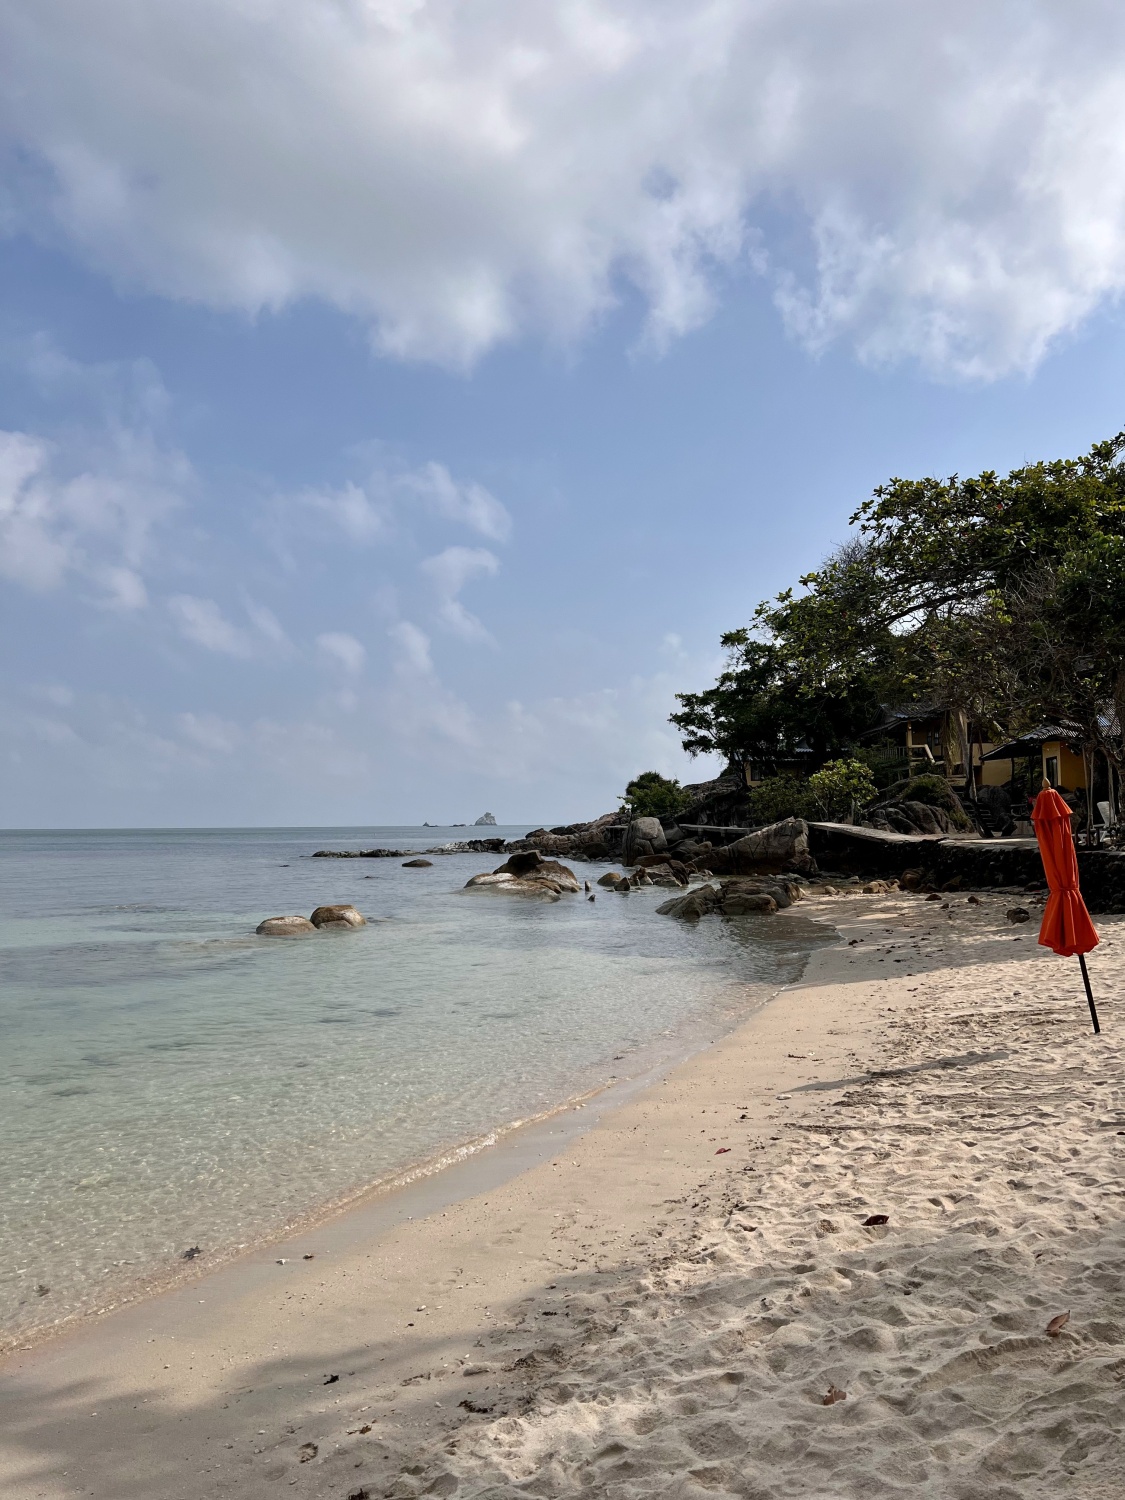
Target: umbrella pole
{"points": [[1089, 994]]}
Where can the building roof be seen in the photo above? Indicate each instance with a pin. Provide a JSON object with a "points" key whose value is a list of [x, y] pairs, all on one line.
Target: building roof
{"points": [[892, 715], [1032, 740]]}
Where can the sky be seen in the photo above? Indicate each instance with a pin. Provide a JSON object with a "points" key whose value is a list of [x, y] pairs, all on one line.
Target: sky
{"points": [[398, 398]]}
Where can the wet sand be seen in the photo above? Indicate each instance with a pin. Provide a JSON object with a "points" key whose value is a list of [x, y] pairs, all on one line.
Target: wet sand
{"points": [[660, 1305]]}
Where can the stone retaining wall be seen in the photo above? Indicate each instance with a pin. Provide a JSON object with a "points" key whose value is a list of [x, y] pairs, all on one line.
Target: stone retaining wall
{"points": [[975, 864]]}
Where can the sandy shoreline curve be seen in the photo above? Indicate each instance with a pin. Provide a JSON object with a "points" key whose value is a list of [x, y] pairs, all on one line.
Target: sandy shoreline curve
{"points": [[662, 1304], [458, 1169]]}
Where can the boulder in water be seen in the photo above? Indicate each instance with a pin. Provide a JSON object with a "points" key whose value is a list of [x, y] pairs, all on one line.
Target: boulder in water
{"points": [[529, 864], [695, 904], [521, 863], [643, 836], [284, 927], [417, 864], [529, 869], [337, 916], [741, 903], [515, 885]]}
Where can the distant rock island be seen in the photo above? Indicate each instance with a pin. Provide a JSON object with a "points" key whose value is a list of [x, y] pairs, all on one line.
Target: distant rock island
{"points": [[486, 820]]}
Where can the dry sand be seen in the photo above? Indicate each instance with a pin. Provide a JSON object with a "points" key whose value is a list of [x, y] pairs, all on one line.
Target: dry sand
{"points": [[661, 1306]]}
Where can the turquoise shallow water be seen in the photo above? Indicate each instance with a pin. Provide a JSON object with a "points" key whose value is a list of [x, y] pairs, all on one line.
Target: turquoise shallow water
{"points": [[168, 1079]]}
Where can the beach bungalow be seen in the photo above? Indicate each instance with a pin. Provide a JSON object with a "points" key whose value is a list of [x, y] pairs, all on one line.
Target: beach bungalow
{"points": [[916, 737], [1051, 751], [801, 760]]}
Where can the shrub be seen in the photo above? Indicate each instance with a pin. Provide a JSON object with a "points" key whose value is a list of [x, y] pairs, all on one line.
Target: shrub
{"points": [[651, 795], [779, 797], [829, 793], [841, 785]]}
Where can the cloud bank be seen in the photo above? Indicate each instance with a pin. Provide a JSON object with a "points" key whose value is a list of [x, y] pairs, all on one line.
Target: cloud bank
{"points": [[938, 181]]}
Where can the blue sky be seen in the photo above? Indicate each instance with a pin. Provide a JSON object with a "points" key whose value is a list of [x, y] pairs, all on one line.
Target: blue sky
{"points": [[397, 400]]}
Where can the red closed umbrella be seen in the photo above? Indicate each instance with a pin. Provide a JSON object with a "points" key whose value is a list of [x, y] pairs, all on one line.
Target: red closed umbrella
{"points": [[1066, 926]]}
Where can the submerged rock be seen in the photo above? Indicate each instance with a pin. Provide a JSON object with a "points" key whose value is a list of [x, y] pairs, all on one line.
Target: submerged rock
{"points": [[698, 903], [742, 903], [664, 873], [734, 898], [515, 885], [417, 864], [337, 916], [530, 865], [284, 927], [526, 872]]}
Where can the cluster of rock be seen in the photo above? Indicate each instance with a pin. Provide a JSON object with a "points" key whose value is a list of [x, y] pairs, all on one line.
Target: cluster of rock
{"points": [[598, 839], [738, 897], [527, 873], [651, 869], [324, 917], [721, 801], [458, 846], [906, 816]]}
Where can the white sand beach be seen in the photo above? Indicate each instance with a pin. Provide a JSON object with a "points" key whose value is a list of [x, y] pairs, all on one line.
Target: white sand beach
{"points": [[662, 1306]]}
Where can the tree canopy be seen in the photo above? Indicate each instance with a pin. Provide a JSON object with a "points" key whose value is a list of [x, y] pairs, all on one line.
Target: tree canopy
{"points": [[1002, 599], [651, 795]]}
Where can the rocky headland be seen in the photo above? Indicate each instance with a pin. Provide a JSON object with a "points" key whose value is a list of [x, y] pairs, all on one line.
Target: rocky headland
{"points": [[928, 845]]}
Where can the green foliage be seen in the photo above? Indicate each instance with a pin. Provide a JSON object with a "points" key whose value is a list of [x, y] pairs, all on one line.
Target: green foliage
{"points": [[651, 795], [839, 786], [779, 797], [932, 790], [1000, 599], [886, 764], [828, 793]]}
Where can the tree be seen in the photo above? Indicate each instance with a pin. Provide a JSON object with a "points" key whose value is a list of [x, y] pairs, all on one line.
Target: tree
{"points": [[651, 795], [840, 787], [1003, 599]]}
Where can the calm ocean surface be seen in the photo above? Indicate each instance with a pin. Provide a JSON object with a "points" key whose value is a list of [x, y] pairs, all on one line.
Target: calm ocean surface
{"points": [[167, 1079]]}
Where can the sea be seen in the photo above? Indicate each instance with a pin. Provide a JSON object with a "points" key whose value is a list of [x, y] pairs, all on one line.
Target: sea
{"points": [[169, 1080]]}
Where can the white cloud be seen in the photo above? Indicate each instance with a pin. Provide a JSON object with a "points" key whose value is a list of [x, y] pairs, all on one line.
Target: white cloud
{"points": [[354, 511], [419, 709], [344, 650], [31, 551], [94, 524], [470, 504], [203, 622], [941, 180], [266, 623], [125, 589], [391, 494], [85, 504], [56, 693], [412, 650], [210, 732], [449, 572], [617, 731]]}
